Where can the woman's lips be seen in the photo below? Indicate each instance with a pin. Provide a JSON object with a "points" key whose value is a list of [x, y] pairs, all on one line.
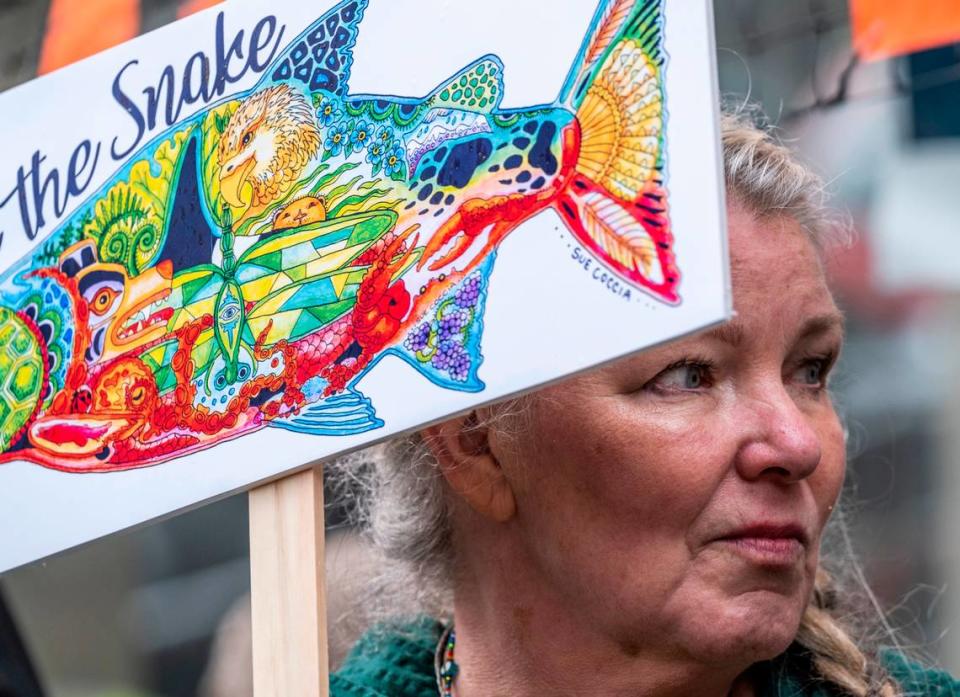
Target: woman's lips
{"points": [[767, 545]]}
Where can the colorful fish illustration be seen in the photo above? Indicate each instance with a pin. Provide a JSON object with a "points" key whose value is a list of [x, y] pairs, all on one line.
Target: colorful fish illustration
{"points": [[248, 266]]}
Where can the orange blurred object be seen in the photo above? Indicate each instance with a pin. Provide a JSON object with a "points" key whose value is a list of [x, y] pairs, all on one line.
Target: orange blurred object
{"points": [[882, 28], [80, 28], [188, 7]]}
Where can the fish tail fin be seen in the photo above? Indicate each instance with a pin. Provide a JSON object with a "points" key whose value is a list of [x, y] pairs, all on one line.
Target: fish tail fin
{"points": [[613, 22], [615, 201]]}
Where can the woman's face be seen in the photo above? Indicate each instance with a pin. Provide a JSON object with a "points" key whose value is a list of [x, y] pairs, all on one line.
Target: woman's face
{"points": [[677, 498]]}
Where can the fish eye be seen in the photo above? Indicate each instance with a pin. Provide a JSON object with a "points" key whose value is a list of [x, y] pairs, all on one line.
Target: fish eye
{"points": [[220, 381], [243, 372]]}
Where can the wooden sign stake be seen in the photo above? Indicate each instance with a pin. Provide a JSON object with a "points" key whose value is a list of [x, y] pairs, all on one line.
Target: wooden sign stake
{"points": [[288, 587]]}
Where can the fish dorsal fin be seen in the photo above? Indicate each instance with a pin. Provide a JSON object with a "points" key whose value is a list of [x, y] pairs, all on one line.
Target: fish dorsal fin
{"points": [[321, 56], [478, 87]]}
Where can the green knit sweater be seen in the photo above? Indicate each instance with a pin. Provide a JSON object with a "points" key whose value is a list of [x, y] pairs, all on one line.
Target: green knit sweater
{"points": [[400, 664]]}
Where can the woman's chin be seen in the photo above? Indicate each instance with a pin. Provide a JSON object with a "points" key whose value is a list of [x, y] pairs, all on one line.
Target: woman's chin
{"points": [[740, 631]]}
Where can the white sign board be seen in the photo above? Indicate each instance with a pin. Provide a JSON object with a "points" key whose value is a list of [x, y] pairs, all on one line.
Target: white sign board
{"points": [[230, 249]]}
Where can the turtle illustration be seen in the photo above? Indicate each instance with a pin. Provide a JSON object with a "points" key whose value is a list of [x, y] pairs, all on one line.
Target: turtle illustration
{"points": [[23, 374], [38, 342]]}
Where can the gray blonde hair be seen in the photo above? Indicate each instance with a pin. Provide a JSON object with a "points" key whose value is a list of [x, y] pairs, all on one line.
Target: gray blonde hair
{"points": [[402, 499]]}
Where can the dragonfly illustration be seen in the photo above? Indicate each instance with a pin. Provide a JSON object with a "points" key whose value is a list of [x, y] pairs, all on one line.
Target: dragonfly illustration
{"points": [[286, 285]]}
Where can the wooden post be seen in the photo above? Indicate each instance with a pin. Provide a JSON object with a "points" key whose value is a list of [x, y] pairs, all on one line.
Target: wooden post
{"points": [[288, 591]]}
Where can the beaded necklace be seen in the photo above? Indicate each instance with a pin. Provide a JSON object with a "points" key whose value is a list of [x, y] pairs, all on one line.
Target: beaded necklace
{"points": [[445, 667]]}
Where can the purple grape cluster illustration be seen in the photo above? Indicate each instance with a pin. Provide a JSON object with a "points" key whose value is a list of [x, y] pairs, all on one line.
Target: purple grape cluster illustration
{"points": [[418, 339], [452, 358], [453, 323], [468, 293], [441, 342]]}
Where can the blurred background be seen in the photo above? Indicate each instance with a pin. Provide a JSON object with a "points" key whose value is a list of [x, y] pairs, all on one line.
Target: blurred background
{"points": [[876, 111]]}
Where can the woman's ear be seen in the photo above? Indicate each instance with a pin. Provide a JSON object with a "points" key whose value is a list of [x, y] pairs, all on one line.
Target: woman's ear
{"points": [[462, 449]]}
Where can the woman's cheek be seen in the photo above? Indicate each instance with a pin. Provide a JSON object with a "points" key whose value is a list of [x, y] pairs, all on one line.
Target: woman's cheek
{"points": [[653, 465], [635, 452]]}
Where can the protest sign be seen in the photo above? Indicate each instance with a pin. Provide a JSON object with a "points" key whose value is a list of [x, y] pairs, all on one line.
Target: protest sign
{"points": [[230, 249]]}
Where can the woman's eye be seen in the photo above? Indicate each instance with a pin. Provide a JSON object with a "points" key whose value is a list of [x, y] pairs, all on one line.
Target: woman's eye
{"points": [[813, 372], [683, 377], [246, 139]]}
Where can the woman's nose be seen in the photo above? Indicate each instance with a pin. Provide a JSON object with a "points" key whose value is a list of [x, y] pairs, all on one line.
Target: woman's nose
{"points": [[779, 439]]}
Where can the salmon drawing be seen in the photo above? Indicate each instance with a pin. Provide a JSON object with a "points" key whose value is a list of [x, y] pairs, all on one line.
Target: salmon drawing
{"points": [[249, 265]]}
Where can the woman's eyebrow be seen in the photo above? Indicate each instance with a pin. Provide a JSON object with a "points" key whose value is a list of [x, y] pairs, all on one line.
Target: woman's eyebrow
{"points": [[733, 332], [822, 324], [729, 333]]}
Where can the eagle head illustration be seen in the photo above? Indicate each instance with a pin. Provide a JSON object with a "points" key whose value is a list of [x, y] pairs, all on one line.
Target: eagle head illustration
{"points": [[267, 144]]}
